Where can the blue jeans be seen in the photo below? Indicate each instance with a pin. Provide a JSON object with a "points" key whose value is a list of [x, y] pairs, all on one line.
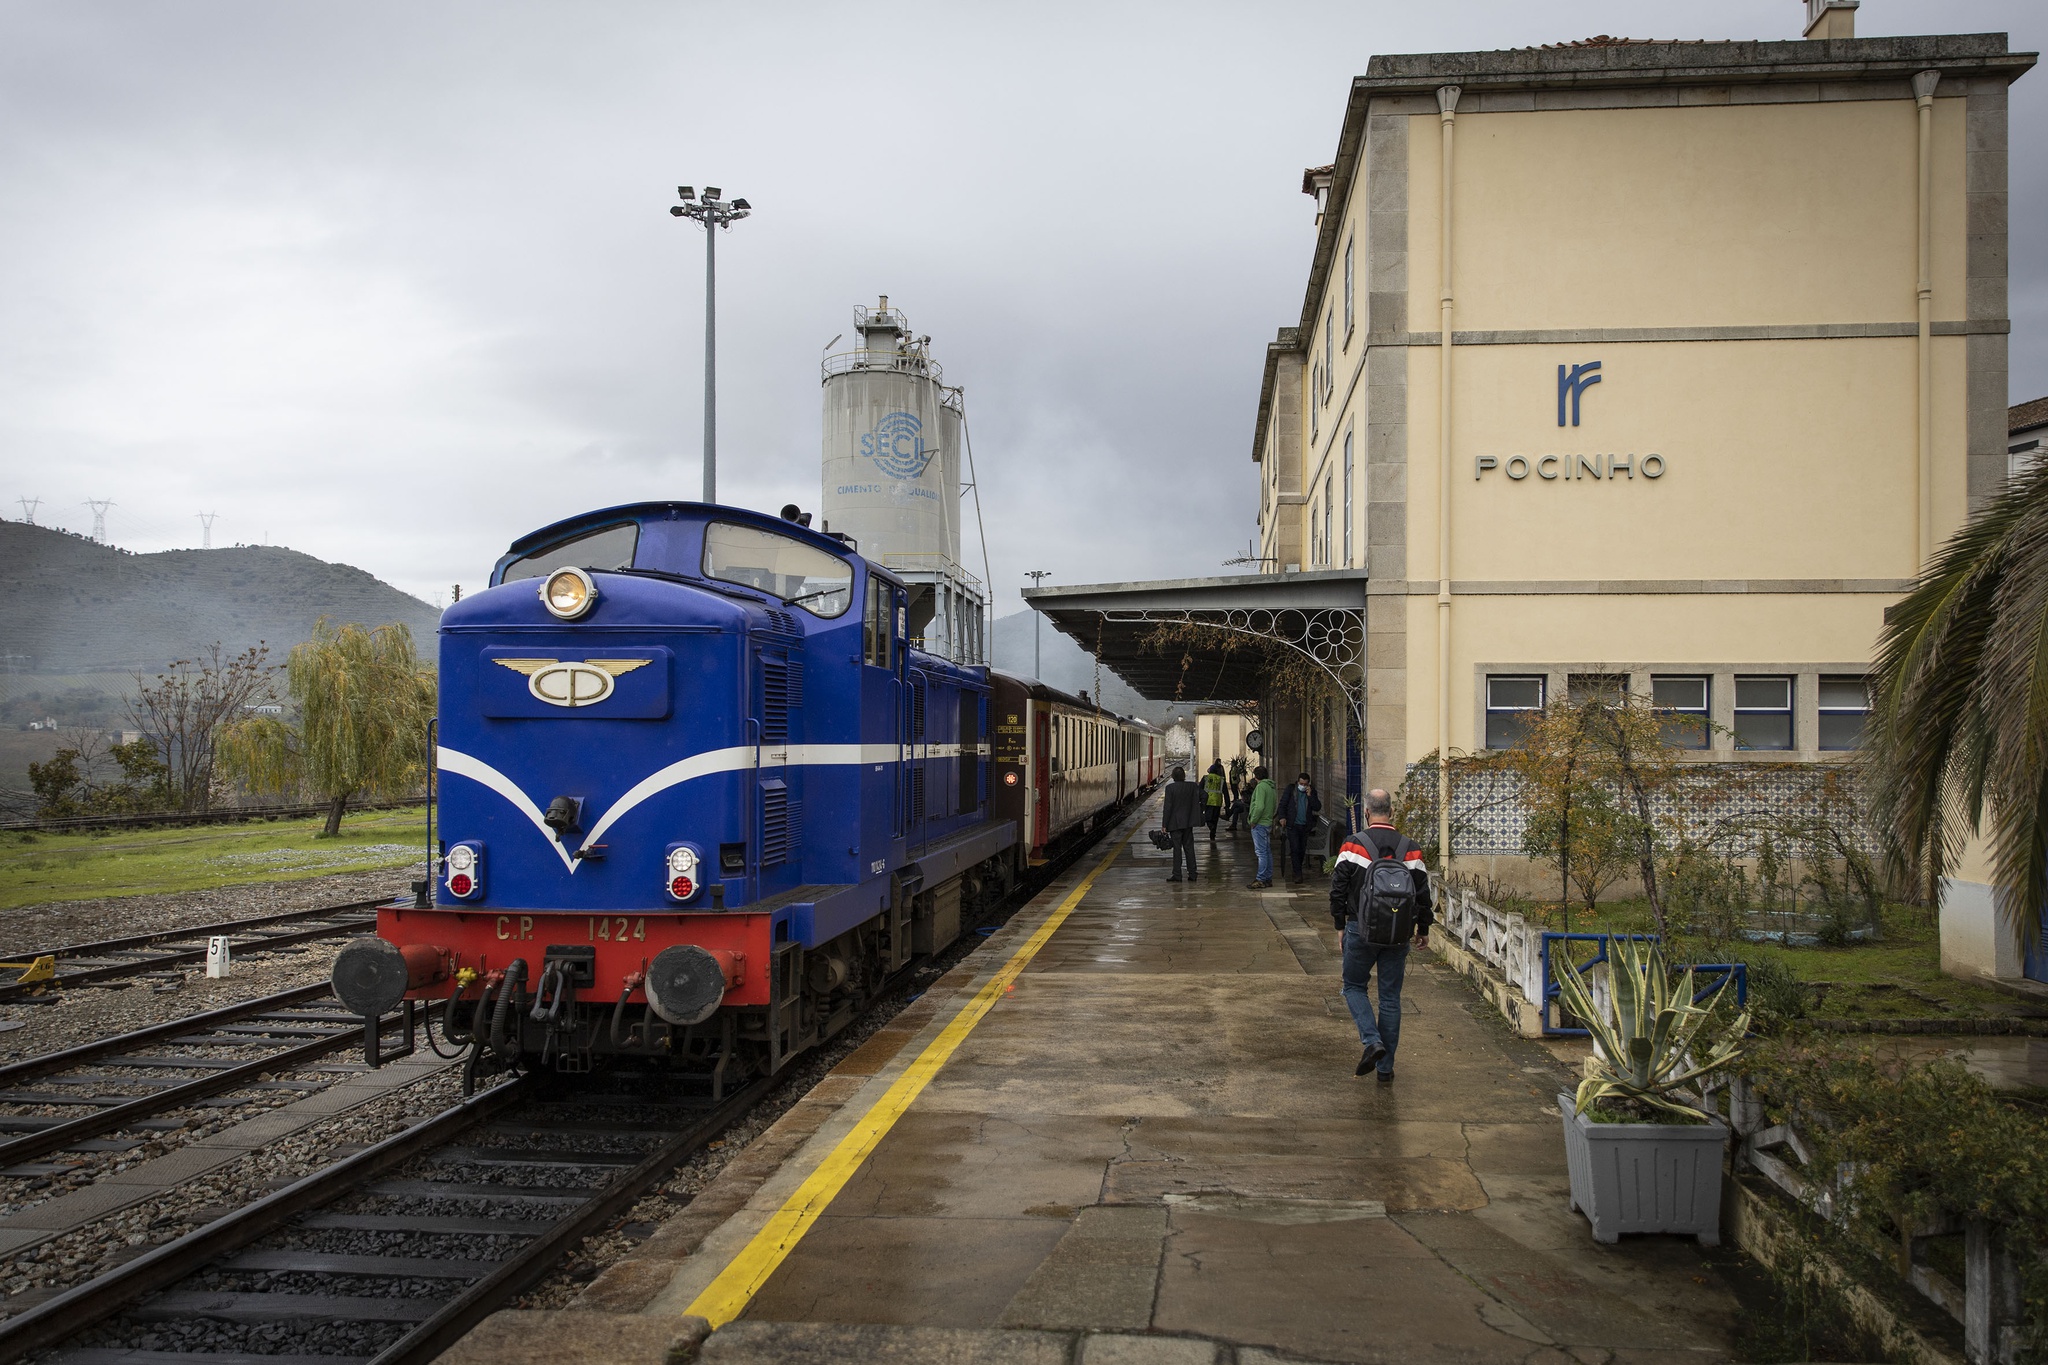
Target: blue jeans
{"points": [[1360, 957], [1262, 844]]}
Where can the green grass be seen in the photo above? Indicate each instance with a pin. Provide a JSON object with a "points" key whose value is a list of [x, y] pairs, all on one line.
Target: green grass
{"points": [[78, 866], [1897, 977]]}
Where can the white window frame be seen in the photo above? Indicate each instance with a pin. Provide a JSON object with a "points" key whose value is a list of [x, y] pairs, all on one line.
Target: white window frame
{"points": [[1350, 310], [1789, 711], [1704, 711], [1825, 710], [1347, 500], [1491, 710]]}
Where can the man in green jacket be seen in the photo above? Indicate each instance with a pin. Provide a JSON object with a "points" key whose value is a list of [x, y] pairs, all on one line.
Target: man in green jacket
{"points": [[1265, 805]]}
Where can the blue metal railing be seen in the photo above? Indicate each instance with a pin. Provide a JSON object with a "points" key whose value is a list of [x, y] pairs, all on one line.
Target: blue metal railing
{"points": [[1715, 973]]}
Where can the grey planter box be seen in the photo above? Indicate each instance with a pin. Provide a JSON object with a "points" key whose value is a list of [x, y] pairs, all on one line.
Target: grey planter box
{"points": [[1645, 1177]]}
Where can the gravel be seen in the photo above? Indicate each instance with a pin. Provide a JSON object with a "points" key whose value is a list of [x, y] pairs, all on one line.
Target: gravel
{"points": [[80, 1254]]}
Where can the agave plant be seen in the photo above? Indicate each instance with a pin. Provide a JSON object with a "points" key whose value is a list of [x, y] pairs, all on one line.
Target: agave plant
{"points": [[1651, 1043]]}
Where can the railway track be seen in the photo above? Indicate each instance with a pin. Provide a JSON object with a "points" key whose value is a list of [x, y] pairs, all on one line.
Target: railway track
{"points": [[390, 1254], [124, 1082], [82, 964]]}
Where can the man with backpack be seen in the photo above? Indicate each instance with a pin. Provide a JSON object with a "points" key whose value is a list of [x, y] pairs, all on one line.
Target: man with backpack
{"points": [[1380, 901]]}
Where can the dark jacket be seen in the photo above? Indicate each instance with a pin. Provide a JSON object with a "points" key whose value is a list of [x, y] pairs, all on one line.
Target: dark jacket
{"points": [[1291, 802], [1183, 801], [1348, 881]]}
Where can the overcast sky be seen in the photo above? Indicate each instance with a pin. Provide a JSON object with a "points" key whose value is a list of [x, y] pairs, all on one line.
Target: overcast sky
{"points": [[393, 283]]}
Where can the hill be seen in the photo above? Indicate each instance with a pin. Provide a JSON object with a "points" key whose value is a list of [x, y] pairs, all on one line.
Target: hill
{"points": [[1069, 667], [69, 605]]}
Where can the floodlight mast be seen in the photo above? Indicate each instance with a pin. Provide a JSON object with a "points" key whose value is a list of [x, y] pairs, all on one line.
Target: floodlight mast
{"points": [[1035, 575], [712, 212]]}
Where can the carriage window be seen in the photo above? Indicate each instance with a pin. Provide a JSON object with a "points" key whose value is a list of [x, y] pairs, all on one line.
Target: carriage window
{"points": [[611, 548], [801, 575]]}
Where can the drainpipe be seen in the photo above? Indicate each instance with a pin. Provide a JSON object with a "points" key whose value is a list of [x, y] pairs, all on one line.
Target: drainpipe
{"points": [[1923, 96], [1447, 111]]}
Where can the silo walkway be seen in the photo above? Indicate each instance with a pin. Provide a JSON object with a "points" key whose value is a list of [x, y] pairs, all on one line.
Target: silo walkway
{"points": [[1143, 1142]]}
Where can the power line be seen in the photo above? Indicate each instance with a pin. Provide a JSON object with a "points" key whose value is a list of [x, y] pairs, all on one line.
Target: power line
{"points": [[99, 508]]}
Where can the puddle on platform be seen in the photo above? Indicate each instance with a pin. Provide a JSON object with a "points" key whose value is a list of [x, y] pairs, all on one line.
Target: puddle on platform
{"points": [[1282, 1212]]}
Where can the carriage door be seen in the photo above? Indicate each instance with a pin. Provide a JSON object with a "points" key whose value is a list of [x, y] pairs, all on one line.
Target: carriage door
{"points": [[1041, 775]]}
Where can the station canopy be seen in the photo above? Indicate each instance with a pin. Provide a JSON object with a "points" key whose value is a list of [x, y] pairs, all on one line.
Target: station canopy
{"points": [[1139, 631]]}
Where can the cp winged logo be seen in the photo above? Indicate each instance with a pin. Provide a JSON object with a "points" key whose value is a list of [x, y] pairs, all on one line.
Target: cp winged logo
{"points": [[576, 683]]}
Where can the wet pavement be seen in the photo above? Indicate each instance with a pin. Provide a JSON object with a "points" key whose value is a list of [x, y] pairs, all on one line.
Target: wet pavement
{"points": [[1155, 1133]]}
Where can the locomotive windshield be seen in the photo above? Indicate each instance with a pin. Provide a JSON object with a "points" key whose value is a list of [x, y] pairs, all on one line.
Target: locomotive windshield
{"points": [[611, 548], [801, 575]]}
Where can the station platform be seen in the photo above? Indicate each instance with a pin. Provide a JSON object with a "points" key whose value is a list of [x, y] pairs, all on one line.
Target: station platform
{"points": [[1127, 1129]]}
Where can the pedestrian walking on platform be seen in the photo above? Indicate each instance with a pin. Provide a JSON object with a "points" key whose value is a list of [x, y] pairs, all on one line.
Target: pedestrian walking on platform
{"points": [[1380, 902], [1265, 807], [1213, 797], [1177, 818], [1237, 786], [1299, 809]]}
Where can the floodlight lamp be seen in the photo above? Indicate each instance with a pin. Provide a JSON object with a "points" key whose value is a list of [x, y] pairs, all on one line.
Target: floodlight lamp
{"points": [[685, 192], [677, 211], [712, 191], [742, 205]]}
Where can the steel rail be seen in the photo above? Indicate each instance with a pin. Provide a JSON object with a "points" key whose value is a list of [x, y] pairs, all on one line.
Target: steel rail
{"points": [[352, 923], [122, 1042], [533, 1263], [31, 1145], [82, 1305]]}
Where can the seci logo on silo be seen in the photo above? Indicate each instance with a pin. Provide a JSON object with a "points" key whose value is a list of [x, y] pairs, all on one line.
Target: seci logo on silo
{"points": [[896, 446]]}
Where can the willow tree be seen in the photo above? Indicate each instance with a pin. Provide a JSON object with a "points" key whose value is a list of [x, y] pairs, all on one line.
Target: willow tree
{"points": [[1957, 743], [363, 702]]}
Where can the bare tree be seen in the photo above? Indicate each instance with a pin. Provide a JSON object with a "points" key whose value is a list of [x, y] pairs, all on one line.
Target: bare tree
{"points": [[183, 712]]}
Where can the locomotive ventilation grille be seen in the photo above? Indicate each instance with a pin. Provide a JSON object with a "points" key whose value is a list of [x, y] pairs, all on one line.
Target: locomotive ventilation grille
{"points": [[782, 694], [781, 622], [780, 817]]}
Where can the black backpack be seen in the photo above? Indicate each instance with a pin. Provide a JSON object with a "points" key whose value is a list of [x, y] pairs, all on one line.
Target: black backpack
{"points": [[1387, 902]]}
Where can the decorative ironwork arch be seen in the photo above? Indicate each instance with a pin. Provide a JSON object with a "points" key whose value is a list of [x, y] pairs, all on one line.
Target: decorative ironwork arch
{"points": [[1332, 639]]}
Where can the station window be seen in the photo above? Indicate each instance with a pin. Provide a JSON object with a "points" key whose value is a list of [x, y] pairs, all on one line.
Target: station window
{"points": [[1330, 355], [1681, 702], [1511, 703], [1329, 511], [1763, 713], [1347, 497], [1844, 705], [1350, 260], [1607, 688]]}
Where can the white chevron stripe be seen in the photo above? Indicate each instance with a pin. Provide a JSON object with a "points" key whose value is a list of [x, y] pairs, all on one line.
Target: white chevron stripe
{"points": [[476, 770], [675, 774]]}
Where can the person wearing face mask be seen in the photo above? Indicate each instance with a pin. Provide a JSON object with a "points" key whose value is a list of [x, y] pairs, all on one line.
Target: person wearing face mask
{"points": [[1298, 811]]}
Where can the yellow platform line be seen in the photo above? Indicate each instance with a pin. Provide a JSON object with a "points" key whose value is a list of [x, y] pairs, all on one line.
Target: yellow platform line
{"points": [[726, 1297]]}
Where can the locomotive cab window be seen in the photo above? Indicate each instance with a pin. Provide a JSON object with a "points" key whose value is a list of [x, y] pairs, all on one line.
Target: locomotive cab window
{"points": [[610, 548], [801, 575], [874, 634]]}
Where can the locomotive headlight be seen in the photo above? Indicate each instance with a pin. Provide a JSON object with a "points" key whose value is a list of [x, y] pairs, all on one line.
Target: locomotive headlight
{"points": [[465, 870], [680, 872], [568, 593]]}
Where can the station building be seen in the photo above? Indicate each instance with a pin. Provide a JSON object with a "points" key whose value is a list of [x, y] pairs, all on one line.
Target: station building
{"points": [[1664, 362]]}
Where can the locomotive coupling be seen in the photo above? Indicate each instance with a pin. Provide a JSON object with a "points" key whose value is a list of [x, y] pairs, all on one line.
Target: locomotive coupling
{"points": [[685, 983], [371, 975]]}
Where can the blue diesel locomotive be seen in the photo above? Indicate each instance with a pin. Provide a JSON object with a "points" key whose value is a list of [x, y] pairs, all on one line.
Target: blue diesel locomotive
{"points": [[701, 797]]}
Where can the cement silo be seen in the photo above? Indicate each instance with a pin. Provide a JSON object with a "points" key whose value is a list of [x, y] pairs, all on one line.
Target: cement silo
{"points": [[893, 448]]}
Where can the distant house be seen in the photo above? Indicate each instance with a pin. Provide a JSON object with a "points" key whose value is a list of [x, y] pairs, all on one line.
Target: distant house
{"points": [[268, 708], [2026, 426]]}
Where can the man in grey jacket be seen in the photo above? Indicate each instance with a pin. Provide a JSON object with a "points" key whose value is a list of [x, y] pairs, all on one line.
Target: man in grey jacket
{"points": [[1177, 818]]}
